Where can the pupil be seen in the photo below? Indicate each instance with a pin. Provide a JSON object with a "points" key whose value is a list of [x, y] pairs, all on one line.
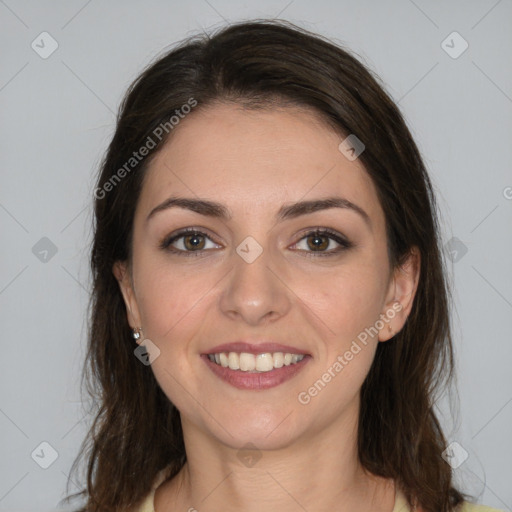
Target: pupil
{"points": [[318, 242], [194, 242]]}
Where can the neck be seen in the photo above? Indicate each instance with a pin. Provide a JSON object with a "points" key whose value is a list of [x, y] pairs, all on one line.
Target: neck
{"points": [[313, 474]]}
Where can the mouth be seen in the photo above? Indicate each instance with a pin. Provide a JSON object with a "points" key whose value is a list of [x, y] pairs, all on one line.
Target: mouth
{"points": [[246, 362], [255, 367]]}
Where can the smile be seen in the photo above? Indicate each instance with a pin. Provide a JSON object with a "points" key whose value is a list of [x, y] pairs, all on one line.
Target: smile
{"points": [[256, 372], [246, 362]]}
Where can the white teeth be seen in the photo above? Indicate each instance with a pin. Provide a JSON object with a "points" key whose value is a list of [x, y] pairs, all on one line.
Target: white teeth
{"points": [[224, 360], [246, 362], [234, 361], [264, 362], [278, 360]]}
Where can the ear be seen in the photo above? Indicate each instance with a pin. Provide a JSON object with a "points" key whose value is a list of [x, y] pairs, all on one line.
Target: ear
{"points": [[400, 296], [121, 272]]}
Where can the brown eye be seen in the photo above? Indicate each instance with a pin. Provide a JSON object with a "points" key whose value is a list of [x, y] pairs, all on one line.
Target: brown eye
{"points": [[194, 241], [317, 242], [322, 242], [189, 242]]}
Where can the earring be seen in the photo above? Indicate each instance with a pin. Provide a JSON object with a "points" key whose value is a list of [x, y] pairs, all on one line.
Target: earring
{"points": [[390, 330], [136, 333]]}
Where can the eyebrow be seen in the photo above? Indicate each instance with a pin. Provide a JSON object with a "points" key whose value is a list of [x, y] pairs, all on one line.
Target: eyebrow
{"points": [[287, 211]]}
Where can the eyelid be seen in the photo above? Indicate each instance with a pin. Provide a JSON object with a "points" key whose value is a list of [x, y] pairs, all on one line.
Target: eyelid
{"points": [[342, 241], [166, 243]]}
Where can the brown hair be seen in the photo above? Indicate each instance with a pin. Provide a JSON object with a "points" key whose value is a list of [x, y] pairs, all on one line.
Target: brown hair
{"points": [[259, 64]]}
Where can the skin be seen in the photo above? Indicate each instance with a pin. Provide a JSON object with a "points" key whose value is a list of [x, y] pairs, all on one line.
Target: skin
{"points": [[253, 162]]}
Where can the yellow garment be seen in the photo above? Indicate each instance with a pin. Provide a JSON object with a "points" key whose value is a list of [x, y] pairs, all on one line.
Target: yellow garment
{"points": [[400, 501]]}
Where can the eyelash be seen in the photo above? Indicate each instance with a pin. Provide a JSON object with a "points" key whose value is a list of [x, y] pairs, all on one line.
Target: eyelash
{"points": [[344, 243]]}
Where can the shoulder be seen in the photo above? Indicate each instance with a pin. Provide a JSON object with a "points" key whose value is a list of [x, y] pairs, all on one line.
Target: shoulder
{"points": [[148, 503], [466, 506], [401, 505]]}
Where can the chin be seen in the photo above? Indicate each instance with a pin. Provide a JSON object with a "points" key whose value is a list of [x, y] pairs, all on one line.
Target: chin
{"points": [[266, 429]]}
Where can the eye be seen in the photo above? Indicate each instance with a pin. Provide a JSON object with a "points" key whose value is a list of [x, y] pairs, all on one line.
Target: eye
{"points": [[188, 240], [322, 242], [317, 242]]}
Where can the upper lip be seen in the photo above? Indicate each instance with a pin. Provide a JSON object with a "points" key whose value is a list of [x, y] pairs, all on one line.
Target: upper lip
{"points": [[255, 348]]}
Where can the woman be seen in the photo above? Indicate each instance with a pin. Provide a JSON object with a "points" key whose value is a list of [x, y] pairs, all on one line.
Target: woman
{"points": [[270, 313]]}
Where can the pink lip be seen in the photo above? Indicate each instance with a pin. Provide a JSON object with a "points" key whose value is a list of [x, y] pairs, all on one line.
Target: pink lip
{"points": [[259, 348], [255, 380]]}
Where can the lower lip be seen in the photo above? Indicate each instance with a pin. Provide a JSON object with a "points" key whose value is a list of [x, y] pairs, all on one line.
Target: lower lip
{"points": [[256, 380]]}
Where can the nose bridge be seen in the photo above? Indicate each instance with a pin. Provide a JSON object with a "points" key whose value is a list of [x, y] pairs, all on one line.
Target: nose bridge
{"points": [[253, 291]]}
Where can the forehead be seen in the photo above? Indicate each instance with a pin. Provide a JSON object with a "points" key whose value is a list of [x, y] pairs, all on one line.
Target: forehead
{"points": [[251, 158]]}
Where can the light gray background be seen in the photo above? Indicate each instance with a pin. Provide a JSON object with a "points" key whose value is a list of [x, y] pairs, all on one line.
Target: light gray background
{"points": [[57, 115]]}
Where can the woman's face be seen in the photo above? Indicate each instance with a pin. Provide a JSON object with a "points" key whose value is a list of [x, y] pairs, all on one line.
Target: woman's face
{"points": [[254, 279]]}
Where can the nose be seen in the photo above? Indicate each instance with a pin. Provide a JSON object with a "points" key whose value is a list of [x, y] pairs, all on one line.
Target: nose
{"points": [[255, 292]]}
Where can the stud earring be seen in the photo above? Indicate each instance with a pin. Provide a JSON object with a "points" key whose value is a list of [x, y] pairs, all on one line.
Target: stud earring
{"points": [[137, 333]]}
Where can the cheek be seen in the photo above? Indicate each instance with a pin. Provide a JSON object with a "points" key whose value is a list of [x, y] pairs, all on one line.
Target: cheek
{"points": [[347, 301], [169, 299], [175, 306]]}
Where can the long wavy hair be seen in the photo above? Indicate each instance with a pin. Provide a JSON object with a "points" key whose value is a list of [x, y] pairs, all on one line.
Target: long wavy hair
{"points": [[136, 431]]}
